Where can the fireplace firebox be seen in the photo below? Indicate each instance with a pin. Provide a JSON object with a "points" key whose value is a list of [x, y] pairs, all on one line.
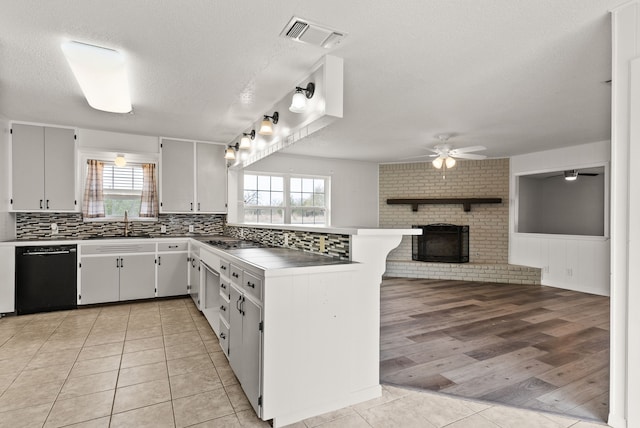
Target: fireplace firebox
{"points": [[444, 243]]}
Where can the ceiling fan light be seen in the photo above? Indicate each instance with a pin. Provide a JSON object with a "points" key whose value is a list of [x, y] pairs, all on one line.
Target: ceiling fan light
{"points": [[437, 162], [450, 162], [571, 175]]}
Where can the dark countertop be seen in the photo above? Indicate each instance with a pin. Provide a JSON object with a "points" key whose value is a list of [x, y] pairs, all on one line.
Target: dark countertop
{"points": [[283, 258]]}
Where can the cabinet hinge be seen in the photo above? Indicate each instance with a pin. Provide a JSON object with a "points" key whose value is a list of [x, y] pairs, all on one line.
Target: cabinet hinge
{"points": [[260, 401], [79, 296], [75, 202], [75, 137], [261, 326], [11, 131], [160, 203], [155, 290], [80, 265], [160, 145], [12, 200]]}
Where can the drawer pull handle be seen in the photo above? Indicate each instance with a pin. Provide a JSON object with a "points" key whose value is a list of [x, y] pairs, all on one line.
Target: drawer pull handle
{"points": [[223, 308], [235, 275], [173, 246], [251, 284], [223, 286], [223, 336]]}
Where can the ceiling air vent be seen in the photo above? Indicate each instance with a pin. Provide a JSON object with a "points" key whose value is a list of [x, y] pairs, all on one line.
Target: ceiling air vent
{"points": [[304, 31]]}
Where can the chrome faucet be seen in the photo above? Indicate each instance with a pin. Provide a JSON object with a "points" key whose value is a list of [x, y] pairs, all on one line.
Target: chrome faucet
{"points": [[126, 224]]}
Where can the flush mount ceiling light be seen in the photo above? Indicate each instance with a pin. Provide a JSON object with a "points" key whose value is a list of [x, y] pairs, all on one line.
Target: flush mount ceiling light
{"points": [[571, 175], [300, 97], [245, 141], [101, 74], [266, 127], [120, 161]]}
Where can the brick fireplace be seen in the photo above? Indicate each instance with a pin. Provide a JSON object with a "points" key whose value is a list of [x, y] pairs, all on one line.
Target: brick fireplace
{"points": [[489, 223]]}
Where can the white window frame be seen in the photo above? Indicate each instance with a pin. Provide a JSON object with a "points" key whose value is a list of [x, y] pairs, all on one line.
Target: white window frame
{"points": [[287, 197]]}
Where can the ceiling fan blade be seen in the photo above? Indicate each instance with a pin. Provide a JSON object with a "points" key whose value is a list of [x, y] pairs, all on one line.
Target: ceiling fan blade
{"points": [[588, 174], [468, 156], [468, 149], [417, 157]]}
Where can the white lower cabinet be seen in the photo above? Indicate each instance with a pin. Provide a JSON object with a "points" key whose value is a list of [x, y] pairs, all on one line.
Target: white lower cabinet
{"points": [[119, 277], [194, 280], [137, 276], [172, 274], [245, 343]]}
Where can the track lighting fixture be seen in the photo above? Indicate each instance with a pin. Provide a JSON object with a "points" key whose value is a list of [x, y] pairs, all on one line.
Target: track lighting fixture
{"points": [[245, 141], [299, 100], [266, 127]]}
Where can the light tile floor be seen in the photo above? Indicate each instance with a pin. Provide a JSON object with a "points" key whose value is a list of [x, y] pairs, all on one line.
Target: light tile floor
{"points": [[158, 364]]}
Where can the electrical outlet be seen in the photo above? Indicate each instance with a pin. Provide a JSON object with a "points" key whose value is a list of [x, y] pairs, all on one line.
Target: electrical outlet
{"points": [[163, 229], [322, 244], [190, 228], [54, 229]]}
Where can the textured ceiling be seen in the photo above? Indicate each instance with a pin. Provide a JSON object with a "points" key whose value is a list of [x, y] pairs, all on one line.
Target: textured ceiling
{"points": [[516, 76]]}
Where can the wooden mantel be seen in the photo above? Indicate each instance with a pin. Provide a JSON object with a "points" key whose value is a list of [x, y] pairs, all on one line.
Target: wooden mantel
{"points": [[466, 202]]}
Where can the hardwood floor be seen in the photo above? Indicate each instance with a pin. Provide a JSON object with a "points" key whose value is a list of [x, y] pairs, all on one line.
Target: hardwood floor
{"points": [[536, 347]]}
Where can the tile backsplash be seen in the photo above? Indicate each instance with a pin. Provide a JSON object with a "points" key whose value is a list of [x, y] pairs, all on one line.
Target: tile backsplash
{"points": [[31, 226], [334, 245]]}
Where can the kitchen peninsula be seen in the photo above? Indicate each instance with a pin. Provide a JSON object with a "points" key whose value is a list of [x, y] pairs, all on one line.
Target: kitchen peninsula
{"points": [[301, 330]]}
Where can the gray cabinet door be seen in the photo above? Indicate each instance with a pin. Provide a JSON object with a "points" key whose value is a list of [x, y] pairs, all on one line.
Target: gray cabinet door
{"points": [[137, 276], [176, 176], [211, 178], [27, 166], [99, 280], [59, 169], [172, 274], [251, 352]]}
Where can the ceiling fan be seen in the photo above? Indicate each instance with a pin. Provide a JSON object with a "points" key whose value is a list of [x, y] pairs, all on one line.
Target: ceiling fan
{"points": [[447, 155], [572, 174]]}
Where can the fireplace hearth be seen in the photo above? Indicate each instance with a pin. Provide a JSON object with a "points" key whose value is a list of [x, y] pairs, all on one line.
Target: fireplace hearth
{"points": [[443, 243]]}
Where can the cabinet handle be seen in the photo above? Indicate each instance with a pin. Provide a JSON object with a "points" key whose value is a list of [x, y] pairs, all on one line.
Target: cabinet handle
{"points": [[47, 204], [198, 206], [191, 206], [223, 286], [251, 284], [235, 275], [223, 308], [117, 263], [223, 336], [238, 304], [121, 262], [159, 260], [173, 246], [41, 200], [223, 267]]}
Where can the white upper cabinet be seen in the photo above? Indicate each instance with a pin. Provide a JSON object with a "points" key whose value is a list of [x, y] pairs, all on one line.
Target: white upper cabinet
{"points": [[176, 176], [193, 177], [43, 168], [211, 178]]}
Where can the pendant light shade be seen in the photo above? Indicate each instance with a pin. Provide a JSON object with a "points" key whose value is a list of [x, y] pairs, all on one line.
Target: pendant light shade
{"points": [[437, 163], [120, 161], [230, 154], [266, 127], [299, 100], [245, 141]]}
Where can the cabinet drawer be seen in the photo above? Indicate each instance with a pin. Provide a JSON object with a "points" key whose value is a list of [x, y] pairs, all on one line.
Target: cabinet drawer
{"points": [[224, 268], [224, 336], [172, 246], [236, 274], [225, 291], [117, 248], [224, 310], [253, 284]]}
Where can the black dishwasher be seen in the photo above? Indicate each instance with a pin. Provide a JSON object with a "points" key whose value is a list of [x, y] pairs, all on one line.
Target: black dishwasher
{"points": [[46, 278]]}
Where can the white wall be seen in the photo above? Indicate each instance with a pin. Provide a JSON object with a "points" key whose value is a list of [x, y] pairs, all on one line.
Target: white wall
{"points": [[7, 220], [573, 262], [90, 139], [354, 185]]}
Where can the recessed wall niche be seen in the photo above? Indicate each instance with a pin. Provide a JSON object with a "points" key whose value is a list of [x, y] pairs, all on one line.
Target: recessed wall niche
{"points": [[547, 203]]}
